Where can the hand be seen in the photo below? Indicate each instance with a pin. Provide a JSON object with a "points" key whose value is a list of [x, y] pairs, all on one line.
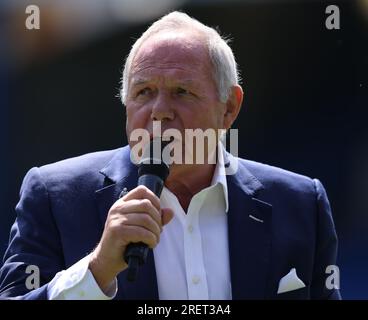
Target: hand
{"points": [[136, 217]]}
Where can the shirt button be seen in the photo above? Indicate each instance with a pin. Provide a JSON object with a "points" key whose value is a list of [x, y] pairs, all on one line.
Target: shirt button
{"points": [[190, 228], [81, 293], [196, 280]]}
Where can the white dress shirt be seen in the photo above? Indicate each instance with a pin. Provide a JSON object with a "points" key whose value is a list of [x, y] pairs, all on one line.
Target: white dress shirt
{"points": [[191, 259]]}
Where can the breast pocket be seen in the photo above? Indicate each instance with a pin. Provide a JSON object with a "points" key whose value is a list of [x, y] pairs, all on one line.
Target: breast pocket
{"points": [[298, 294]]}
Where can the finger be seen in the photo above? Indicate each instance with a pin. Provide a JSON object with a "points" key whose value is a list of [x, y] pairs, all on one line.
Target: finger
{"points": [[142, 192], [140, 206], [135, 234], [166, 215], [142, 220]]}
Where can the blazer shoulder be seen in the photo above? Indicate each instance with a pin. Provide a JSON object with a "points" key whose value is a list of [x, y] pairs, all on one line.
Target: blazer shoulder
{"points": [[80, 170], [272, 176]]}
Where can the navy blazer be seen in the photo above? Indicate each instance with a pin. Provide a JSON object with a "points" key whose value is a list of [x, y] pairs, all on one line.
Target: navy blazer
{"points": [[63, 208]]}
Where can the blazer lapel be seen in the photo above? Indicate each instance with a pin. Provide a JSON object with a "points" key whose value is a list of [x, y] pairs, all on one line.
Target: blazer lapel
{"points": [[249, 228], [119, 174]]}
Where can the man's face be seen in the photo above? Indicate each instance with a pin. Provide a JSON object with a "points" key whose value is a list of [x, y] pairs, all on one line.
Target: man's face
{"points": [[171, 81]]}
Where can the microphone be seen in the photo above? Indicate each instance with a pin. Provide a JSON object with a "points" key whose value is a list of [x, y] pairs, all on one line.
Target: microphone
{"points": [[152, 173]]}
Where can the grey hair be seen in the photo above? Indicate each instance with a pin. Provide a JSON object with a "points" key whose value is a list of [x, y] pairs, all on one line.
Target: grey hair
{"points": [[225, 69]]}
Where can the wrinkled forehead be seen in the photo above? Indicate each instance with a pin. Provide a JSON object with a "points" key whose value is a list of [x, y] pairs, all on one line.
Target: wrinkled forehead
{"points": [[179, 50]]}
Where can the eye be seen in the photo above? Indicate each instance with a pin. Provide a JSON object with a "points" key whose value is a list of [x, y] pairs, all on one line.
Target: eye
{"points": [[182, 91], [144, 92]]}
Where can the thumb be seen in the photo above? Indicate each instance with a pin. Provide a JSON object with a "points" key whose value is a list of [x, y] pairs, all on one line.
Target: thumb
{"points": [[166, 215]]}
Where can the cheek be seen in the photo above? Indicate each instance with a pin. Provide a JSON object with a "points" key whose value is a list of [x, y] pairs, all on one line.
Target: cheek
{"points": [[136, 114], [209, 115], [137, 118]]}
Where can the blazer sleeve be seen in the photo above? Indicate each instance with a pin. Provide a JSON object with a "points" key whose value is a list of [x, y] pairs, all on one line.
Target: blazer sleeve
{"points": [[34, 241], [326, 249]]}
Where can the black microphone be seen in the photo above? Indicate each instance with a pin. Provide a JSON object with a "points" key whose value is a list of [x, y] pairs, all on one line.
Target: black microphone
{"points": [[152, 173]]}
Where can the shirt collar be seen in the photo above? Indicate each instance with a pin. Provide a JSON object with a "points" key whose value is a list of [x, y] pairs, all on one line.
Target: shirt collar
{"points": [[219, 176]]}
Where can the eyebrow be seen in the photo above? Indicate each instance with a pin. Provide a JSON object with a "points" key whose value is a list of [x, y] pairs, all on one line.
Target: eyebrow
{"points": [[139, 81], [189, 82], [185, 82]]}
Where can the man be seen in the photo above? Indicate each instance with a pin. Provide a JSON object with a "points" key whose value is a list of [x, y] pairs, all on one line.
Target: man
{"points": [[259, 233]]}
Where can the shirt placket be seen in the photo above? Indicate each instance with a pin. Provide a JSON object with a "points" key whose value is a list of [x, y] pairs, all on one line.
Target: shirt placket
{"points": [[194, 260]]}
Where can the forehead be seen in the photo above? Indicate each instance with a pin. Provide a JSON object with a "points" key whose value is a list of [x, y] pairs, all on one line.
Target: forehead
{"points": [[172, 54]]}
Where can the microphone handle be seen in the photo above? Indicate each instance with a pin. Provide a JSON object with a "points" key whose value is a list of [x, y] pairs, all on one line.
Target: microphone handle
{"points": [[136, 253], [152, 182]]}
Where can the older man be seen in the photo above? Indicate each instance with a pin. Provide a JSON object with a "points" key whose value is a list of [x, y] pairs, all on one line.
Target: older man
{"points": [[259, 233]]}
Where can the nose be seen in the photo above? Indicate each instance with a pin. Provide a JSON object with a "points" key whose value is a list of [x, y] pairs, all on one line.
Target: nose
{"points": [[162, 110]]}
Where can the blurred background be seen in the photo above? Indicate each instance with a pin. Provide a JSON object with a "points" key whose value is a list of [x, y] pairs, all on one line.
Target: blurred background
{"points": [[305, 107]]}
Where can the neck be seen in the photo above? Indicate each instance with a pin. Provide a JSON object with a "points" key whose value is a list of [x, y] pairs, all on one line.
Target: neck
{"points": [[187, 180]]}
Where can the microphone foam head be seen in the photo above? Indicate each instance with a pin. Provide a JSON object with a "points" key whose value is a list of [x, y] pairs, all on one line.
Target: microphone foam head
{"points": [[152, 161]]}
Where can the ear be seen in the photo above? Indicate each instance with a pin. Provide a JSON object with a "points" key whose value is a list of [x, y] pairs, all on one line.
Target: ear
{"points": [[233, 106]]}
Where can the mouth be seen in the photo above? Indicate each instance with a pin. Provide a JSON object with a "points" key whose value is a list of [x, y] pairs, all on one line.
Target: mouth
{"points": [[166, 137]]}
